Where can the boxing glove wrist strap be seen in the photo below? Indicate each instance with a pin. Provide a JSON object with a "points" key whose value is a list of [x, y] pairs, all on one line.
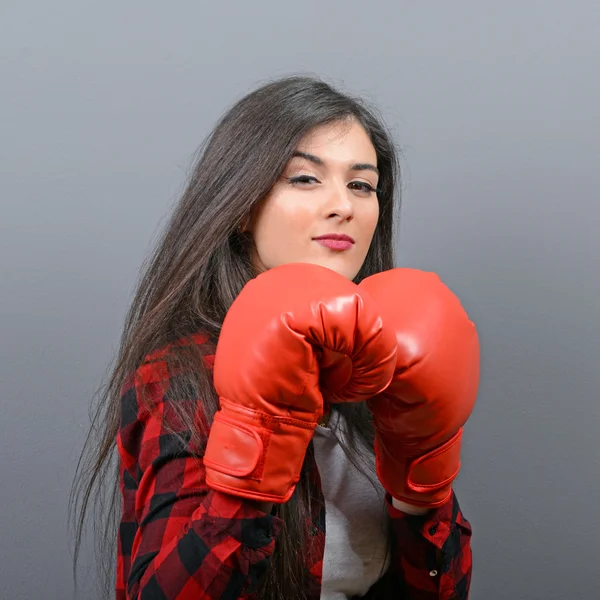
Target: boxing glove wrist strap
{"points": [[254, 455], [422, 481]]}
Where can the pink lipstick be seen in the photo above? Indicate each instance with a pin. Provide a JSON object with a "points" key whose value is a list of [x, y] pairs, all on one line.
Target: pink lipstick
{"points": [[335, 241]]}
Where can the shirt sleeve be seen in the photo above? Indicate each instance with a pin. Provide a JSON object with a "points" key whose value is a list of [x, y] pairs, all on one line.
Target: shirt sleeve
{"points": [[431, 554], [177, 539]]}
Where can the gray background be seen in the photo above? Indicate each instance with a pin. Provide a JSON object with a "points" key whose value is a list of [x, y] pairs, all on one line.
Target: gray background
{"points": [[495, 106]]}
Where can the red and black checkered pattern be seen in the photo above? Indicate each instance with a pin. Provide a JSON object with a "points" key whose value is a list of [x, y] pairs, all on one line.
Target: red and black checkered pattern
{"points": [[179, 540]]}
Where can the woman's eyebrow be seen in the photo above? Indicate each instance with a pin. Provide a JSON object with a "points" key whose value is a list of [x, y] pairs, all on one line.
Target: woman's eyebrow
{"points": [[311, 157], [364, 167], [318, 161]]}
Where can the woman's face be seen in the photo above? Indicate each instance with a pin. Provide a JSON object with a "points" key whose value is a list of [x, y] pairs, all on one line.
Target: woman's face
{"points": [[324, 209]]}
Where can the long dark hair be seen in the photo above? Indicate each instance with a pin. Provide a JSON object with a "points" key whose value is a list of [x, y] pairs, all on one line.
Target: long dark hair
{"points": [[199, 265]]}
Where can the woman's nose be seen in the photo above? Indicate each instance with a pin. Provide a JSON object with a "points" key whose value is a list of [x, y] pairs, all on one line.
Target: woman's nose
{"points": [[338, 203]]}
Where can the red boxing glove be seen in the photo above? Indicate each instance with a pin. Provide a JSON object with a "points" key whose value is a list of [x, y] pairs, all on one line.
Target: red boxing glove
{"points": [[419, 418], [266, 373]]}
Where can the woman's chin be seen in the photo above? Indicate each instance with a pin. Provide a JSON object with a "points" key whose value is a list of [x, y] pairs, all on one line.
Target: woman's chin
{"points": [[338, 264]]}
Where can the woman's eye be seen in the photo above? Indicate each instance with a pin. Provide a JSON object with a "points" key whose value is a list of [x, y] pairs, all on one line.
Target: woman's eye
{"points": [[303, 179], [362, 186], [306, 180]]}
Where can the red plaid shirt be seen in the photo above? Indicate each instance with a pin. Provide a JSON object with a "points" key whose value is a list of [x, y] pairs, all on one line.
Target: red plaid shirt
{"points": [[179, 540]]}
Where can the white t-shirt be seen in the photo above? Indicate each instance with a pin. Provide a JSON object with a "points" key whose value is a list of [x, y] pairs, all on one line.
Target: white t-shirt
{"points": [[355, 520]]}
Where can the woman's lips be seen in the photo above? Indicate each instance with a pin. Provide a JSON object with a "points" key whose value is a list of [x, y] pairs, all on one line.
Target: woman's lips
{"points": [[339, 245], [335, 241]]}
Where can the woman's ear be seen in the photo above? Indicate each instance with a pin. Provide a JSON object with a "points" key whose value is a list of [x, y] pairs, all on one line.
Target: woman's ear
{"points": [[246, 224]]}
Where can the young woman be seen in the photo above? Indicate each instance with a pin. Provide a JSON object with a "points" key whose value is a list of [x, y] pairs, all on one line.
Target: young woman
{"points": [[286, 407]]}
